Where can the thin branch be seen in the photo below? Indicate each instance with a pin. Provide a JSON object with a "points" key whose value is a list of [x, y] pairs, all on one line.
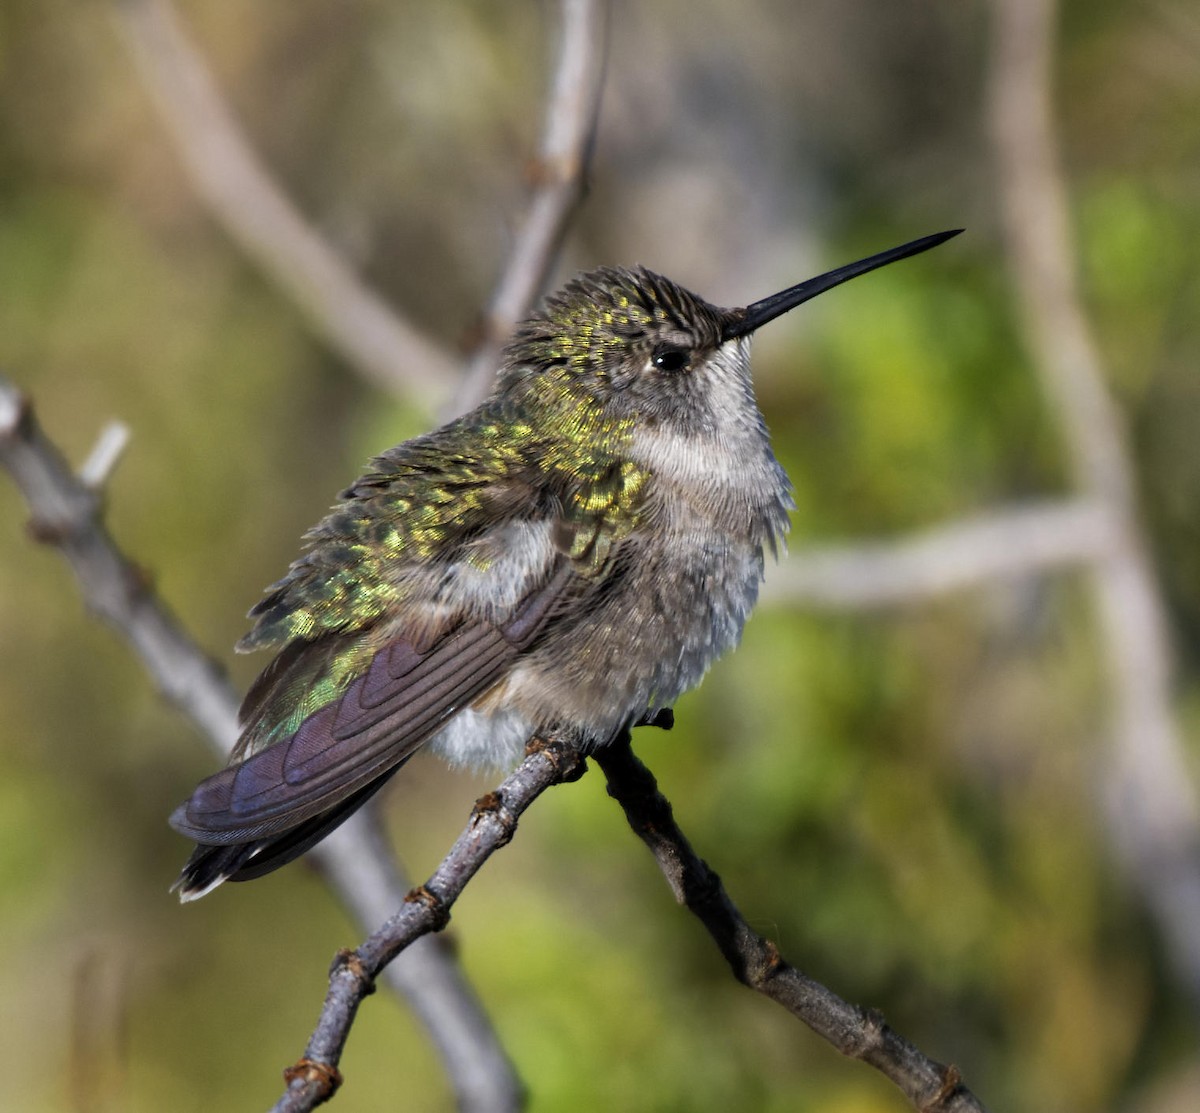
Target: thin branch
{"points": [[67, 514], [241, 194], [359, 864], [1002, 545], [1036, 217], [106, 454], [1154, 814], [559, 173], [316, 1077], [757, 963]]}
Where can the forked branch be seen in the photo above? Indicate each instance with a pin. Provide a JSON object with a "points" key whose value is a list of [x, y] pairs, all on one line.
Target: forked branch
{"points": [[241, 194], [376, 340], [1154, 814]]}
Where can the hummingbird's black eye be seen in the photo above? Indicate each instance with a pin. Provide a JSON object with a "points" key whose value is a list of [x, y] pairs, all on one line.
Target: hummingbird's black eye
{"points": [[670, 358]]}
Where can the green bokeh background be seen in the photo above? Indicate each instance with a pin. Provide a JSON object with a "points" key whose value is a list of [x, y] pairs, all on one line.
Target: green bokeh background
{"points": [[906, 802]]}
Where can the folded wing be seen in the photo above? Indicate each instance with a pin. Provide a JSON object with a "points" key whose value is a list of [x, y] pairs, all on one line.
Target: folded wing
{"points": [[279, 801]]}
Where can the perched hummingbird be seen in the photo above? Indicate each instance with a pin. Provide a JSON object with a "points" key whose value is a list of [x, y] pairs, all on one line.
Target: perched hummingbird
{"points": [[566, 559]]}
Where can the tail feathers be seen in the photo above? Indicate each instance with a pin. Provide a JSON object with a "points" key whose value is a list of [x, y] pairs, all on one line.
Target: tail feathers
{"points": [[210, 865]]}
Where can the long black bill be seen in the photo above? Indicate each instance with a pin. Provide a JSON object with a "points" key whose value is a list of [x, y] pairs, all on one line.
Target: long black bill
{"points": [[744, 321]]}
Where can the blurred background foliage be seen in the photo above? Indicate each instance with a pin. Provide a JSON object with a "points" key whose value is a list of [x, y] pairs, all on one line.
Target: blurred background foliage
{"points": [[904, 801]]}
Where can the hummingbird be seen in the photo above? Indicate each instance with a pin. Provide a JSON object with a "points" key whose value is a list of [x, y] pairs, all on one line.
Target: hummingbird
{"points": [[563, 561]]}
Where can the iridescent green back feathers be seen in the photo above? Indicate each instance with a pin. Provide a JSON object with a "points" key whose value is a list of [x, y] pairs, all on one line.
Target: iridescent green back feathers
{"points": [[422, 505]]}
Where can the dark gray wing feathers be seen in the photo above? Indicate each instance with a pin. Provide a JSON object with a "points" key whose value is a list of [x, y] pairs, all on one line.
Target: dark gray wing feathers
{"points": [[400, 701]]}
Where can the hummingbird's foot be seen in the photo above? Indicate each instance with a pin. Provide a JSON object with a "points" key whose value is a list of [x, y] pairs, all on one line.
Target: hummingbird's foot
{"points": [[664, 719], [566, 757]]}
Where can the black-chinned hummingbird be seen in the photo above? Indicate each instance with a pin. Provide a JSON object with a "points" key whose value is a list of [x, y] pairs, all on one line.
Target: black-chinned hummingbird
{"points": [[564, 560]]}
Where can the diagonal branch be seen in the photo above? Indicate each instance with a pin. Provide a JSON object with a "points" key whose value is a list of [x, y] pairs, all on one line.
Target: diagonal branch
{"points": [[241, 194], [757, 963], [1153, 809], [560, 172], [359, 864], [1004, 544], [67, 514], [315, 1078]]}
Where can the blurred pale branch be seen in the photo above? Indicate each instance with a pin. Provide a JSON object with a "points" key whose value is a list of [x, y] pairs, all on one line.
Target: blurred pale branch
{"points": [[1003, 544], [374, 338], [1154, 819], [242, 196], [855, 1032], [67, 513], [106, 454], [99, 1056], [559, 175]]}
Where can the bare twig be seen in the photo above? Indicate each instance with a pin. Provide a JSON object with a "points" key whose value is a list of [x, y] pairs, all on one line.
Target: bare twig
{"points": [[241, 194], [857, 1033], [66, 514], [358, 863], [106, 454], [1004, 544], [1155, 820], [559, 174], [315, 1077]]}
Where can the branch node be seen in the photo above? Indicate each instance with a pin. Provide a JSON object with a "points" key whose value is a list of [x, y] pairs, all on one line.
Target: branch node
{"points": [[351, 962], [321, 1076], [950, 1087], [491, 805], [542, 172], [770, 964], [874, 1024], [488, 803], [50, 531], [437, 907], [867, 1036]]}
